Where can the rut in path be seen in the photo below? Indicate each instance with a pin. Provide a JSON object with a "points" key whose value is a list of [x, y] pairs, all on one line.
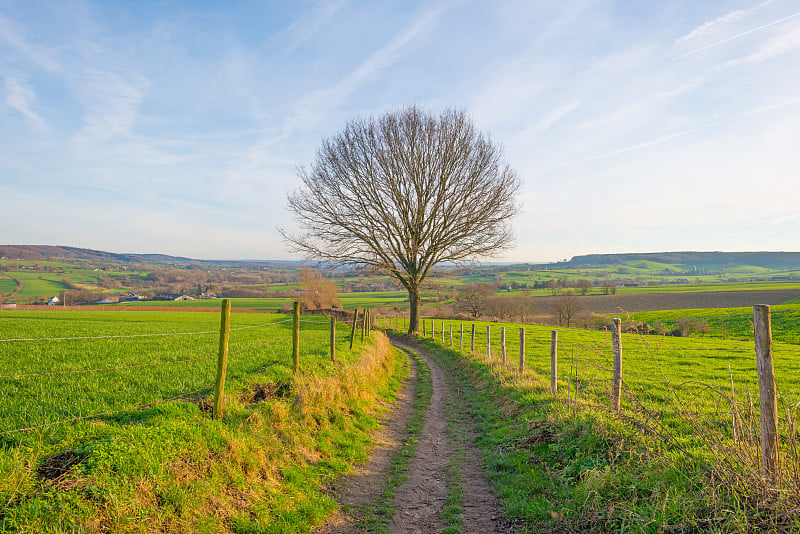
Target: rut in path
{"points": [[418, 502]]}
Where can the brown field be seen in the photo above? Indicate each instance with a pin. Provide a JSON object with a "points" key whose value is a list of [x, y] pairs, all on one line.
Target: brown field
{"points": [[631, 303]]}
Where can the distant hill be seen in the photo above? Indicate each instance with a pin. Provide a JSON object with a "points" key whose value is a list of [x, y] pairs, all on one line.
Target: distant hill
{"points": [[73, 254], [773, 260]]}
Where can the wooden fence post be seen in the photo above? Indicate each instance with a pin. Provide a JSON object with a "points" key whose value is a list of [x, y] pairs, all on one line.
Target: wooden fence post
{"points": [[503, 343], [364, 323], [333, 338], [451, 334], [353, 331], [424, 333], [472, 346], [766, 387], [521, 351], [554, 362], [222, 360], [296, 337], [442, 332], [461, 341], [616, 384], [488, 342]]}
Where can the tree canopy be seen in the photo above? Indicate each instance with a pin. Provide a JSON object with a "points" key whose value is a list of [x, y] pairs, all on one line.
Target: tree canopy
{"points": [[404, 192]]}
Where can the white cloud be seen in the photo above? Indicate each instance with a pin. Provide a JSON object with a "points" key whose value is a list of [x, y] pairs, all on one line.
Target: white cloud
{"points": [[308, 25], [718, 25], [738, 35], [19, 97], [313, 107], [111, 101], [13, 33]]}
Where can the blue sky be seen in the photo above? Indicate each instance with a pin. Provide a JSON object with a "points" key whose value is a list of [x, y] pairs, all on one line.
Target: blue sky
{"points": [[176, 127]]}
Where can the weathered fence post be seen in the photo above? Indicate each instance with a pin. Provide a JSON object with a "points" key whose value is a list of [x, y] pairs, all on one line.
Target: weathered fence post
{"points": [[766, 387], [442, 332], [733, 408], [472, 346], [222, 360], [333, 338], [424, 333], [554, 362], [364, 323], [616, 384], [296, 337], [488, 342], [451, 334], [353, 331], [503, 343], [521, 351]]}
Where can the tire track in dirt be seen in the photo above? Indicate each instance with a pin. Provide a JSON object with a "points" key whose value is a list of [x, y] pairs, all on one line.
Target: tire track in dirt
{"points": [[361, 489], [419, 500]]}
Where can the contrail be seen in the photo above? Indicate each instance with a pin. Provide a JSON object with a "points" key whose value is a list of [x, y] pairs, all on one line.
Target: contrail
{"points": [[773, 106], [628, 149], [748, 32]]}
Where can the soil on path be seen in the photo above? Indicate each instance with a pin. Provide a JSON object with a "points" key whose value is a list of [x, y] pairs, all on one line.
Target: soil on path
{"points": [[360, 489], [418, 502]]}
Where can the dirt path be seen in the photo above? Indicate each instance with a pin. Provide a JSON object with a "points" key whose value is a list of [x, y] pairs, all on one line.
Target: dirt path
{"points": [[419, 501], [361, 489]]}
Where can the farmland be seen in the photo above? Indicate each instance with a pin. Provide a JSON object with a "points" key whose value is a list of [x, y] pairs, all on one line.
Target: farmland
{"points": [[121, 382], [671, 458]]}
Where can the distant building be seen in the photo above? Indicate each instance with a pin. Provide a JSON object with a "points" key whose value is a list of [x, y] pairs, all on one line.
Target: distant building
{"points": [[53, 301]]}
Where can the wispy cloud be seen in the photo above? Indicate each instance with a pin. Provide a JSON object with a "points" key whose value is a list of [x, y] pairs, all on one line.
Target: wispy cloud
{"points": [[13, 33], [311, 109], [715, 26], [19, 97], [736, 36], [774, 106], [111, 101], [304, 28], [638, 146]]}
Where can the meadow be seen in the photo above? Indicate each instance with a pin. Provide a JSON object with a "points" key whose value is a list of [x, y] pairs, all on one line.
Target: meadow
{"points": [[63, 365], [724, 323], [125, 441], [680, 454]]}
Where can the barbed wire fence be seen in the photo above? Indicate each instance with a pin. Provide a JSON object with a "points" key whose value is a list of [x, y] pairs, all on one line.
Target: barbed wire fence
{"points": [[243, 346], [748, 416]]}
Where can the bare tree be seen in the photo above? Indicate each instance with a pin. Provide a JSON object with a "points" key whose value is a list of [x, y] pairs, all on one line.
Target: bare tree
{"points": [[474, 298], [584, 285], [565, 308], [316, 291], [403, 193]]}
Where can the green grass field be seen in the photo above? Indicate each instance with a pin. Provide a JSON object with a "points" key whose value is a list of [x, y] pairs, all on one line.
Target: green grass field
{"points": [[665, 374], [44, 379], [735, 323], [168, 466], [348, 301], [668, 462]]}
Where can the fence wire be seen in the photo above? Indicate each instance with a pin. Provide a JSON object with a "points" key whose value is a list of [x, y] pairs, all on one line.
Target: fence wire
{"points": [[209, 356]]}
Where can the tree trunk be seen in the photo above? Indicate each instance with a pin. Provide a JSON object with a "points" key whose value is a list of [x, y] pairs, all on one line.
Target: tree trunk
{"points": [[413, 299]]}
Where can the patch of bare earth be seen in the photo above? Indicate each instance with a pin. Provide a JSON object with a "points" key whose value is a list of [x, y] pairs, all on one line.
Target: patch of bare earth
{"points": [[640, 302]]}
